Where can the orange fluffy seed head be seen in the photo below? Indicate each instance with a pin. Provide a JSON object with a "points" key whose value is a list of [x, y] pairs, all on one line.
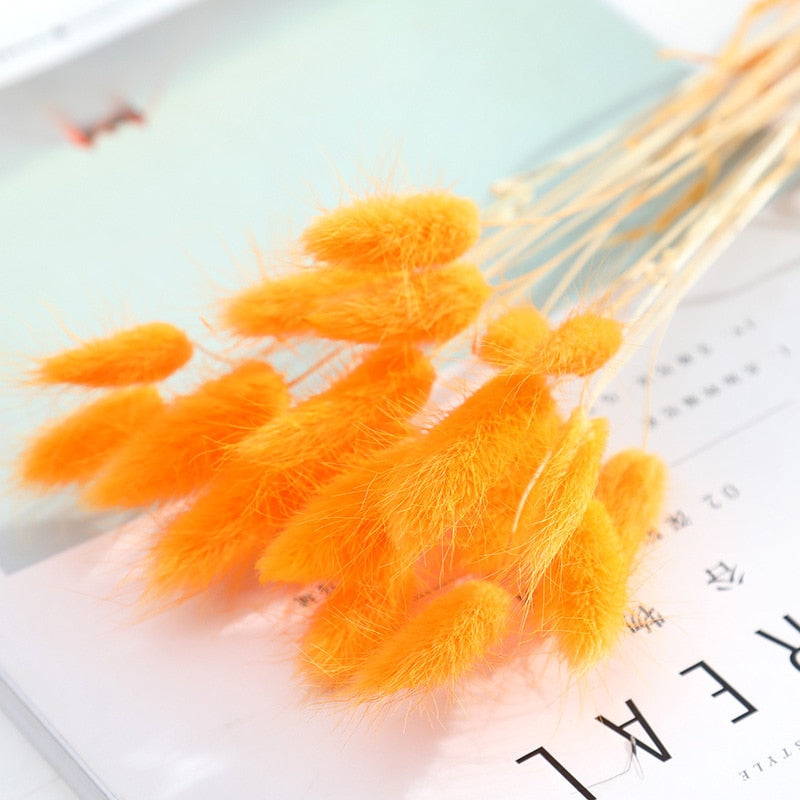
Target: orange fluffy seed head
{"points": [[75, 448], [182, 448], [632, 486], [480, 541], [439, 645], [351, 623], [139, 355], [514, 337], [424, 307], [395, 232], [579, 346], [582, 594], [448, 473], [279, 307], [218, 538], [275, 470], [335, 535], [558, 499], [348, 305], [406, 370]]}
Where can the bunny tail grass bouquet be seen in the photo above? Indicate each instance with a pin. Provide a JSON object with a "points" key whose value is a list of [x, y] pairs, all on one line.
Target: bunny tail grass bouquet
{"points": [[441, 538]]}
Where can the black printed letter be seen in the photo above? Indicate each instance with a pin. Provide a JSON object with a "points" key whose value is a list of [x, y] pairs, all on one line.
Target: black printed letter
{"points": [[795, 651], [562, 770], [726, 687], [660, 752]]}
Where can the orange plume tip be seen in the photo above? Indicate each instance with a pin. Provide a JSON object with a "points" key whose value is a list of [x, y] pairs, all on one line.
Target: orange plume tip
{"points": [[337, 536], [348, 627], [443, 476], [371, 601], [74, 448], [313, 547], [142, 354], [521, 339], [481, 541], [395, 232], [554, 504], [447, 639], [334, 303], [361, 412], [632, 486], [398, 363], [424, 307], [279, 306], [214, 541], [179, 452], [220, 537], [514, 337], [582, 595], [579, 346], [277, 468]]}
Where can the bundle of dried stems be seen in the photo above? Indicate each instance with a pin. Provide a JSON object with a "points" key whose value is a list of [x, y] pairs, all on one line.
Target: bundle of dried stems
{"points": [[660, 197]]}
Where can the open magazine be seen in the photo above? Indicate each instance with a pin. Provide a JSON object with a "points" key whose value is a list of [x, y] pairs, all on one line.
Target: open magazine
{"points": [[201, 700]]}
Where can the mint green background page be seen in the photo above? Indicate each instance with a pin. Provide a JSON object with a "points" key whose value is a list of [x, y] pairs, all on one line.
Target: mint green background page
{"points": [[305, 101]]}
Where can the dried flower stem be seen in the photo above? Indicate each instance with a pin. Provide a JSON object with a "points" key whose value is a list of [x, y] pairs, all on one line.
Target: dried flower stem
{"points": [[662, 196]]}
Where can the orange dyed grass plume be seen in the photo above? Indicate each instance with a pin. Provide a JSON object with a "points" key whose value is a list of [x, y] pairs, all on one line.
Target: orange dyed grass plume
{"points": [[442, 643], [439, 539], [369, 604], [514, 337], [279, 307], [177, 452], [431, 306], [75, 448], [273, 471], [583, 591], [142, 354], [395, 232]]}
